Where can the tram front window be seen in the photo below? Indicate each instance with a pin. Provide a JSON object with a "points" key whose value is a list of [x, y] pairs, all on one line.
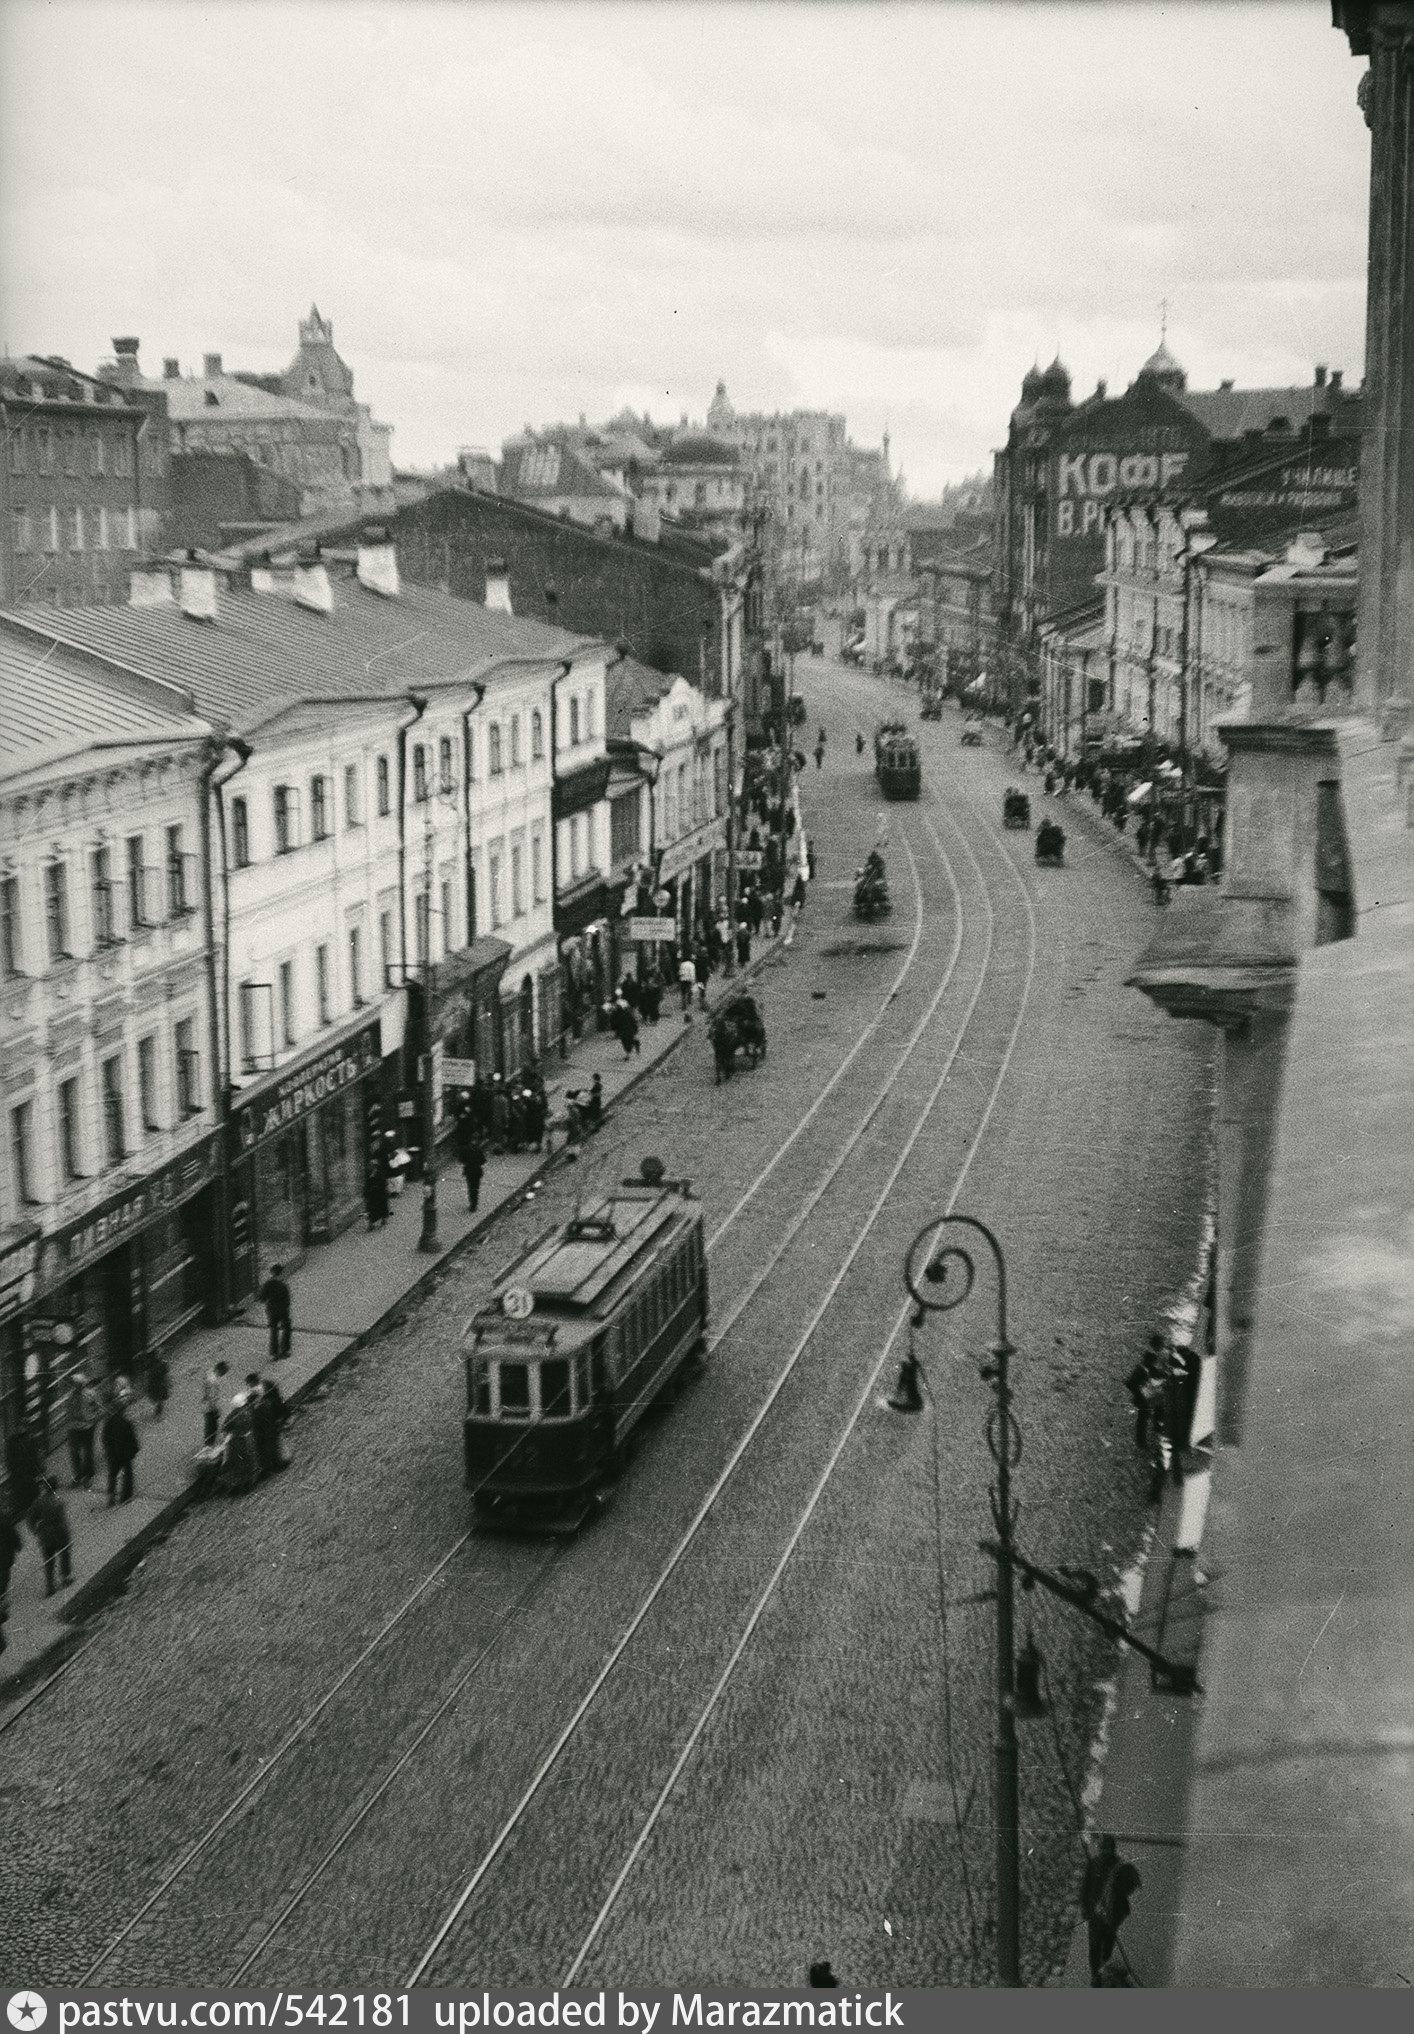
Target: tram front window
{"points": [[481, 1386], [515, 1391], [555, 1389]]}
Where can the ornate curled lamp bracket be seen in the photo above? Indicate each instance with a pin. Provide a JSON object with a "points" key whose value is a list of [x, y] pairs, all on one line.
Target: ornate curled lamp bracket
{"points": [[940, 1275]]}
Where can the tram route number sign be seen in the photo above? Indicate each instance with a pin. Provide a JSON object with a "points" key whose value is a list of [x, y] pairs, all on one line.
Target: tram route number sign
{"points": [[647, 930], [518, 1302]]}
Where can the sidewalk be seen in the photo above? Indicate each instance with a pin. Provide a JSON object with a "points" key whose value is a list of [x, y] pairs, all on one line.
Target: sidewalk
{"points": [[350, 1287]]}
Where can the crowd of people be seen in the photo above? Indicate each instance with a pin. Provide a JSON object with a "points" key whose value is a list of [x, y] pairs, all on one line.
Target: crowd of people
{"points": [[1163, 1389]]}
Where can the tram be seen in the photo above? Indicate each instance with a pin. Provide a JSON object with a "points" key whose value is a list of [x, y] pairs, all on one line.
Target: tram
{"points": [[582, 1335], [896, 761]]}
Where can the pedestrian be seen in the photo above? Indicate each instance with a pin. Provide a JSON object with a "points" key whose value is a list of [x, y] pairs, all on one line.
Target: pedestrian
{"points": [[50, 1524], [1105, 1888], [687, 982], [1143, 1384], [777, 912], [538, 1111], [755, 909], [242, 1462], [1175, 1416], [120, 1447], [810, 857], [211, 1402], [1189, 1366], [797, 895], [375, 1192], [264, 1425], [500, 1113], [652, 995], [822, 1977], [743, 942], [819, 755], [275, 1297], [10, 1544], [1142, 834], [858, 743], [22, 1467], [473, 1163], [82, 1409], [159, 1382], [594, 1103]]}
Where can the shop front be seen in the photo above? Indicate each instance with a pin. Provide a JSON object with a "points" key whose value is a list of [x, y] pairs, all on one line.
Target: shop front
{"points": [[109, 1289], [466, 1027], [691, 871], [298, 1154], [584, 931]]}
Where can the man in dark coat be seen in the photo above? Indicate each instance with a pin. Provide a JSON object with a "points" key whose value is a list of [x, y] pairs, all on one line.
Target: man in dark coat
{"points": [[473, 1164], [275, 1298], [1144, 1384], [50, 1524], [375, 1191], [10, 1544], [120, 1446], [1105, 1889], [22, 1467], [266, 1411]]}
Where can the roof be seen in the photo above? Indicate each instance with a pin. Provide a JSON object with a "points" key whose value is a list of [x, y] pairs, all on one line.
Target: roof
{"points": [[632, 688], [1229, 412], [263, 653], [61, 382], [190, 401], [58, 704], [1161, 361], [696, 449], [539, 472]]}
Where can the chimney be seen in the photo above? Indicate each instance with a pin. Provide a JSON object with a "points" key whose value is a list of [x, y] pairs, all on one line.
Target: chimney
{"points": [[312, 588], [498, 585], [269, 577], [647, 524], [1337, 378], [171, 369], [1102, 389], [126, 372], [1321, 376], [210, 366], [198, 594], [378, 569], [149, 586], [1225, 386]]}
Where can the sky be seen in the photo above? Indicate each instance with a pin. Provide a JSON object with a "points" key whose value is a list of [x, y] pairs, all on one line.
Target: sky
{"points": [[515, 214]]}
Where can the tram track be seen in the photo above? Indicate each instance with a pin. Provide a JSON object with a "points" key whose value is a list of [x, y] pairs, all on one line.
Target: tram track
{"points": [[298, 1736], [428, 1967]]}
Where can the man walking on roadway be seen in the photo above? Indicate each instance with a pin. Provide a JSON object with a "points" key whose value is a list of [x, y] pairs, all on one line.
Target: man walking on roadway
{"points": [[275, 1297], [687, 982]]}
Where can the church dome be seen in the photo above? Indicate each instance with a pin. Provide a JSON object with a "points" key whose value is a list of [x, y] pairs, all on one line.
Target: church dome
{"points": [[1164, 369], [1056, 380], [1032, 383]]}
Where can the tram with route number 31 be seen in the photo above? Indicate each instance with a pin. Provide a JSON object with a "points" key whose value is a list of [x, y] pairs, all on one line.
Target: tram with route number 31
{"points": [[585, 1331]]}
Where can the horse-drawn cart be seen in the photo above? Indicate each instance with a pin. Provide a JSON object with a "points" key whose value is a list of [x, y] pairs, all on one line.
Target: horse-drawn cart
{"points": [[737, 1027]]}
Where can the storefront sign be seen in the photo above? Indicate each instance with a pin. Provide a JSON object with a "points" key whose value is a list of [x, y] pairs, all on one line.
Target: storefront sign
{"points": [[284, 1101], [19, 1267], [70, 1249], [647, 930], [750, 859], [691, 848], [458, 1073]]}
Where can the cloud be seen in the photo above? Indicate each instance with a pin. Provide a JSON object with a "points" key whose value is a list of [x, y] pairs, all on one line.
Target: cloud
{"points": [[510, 210]]}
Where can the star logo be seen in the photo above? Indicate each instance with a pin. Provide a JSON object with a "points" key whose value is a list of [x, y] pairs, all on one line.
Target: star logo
{"points": [[27, 2011]]}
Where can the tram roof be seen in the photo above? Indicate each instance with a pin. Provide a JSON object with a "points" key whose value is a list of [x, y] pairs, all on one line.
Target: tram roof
{"points": [[574, 1268]]}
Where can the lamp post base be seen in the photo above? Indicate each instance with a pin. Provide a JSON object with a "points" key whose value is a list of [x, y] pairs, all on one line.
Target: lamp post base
{"points": [[427, 1241]]}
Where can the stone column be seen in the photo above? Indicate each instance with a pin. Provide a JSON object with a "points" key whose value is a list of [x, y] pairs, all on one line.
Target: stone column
{"points": [[1383, 30]]}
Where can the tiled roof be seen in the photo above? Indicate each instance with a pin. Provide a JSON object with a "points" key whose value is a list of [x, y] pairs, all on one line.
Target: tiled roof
{"points": [[58, 704], [188, 402], [264, 653]]}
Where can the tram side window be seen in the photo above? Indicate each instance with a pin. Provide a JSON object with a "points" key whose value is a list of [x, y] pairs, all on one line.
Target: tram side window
{"points": [[515, 1391], [481, 1389], [555, 1388], [581, 1380]]}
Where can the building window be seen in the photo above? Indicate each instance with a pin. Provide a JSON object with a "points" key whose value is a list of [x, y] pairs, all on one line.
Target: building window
{"points": [[22, 1152], [287, 1001], [147, 1081], [576, 847], [70, 1147], [719, 779], [356, 966], [623, 829], [517, 881], [71, 450], [385, 947], [240, 833], [51, 532], [17, 450], [537, 867], [75, 529], [12, 951], [97, 460], [537, 736], [137, 882], [319, 808], [100, 529], [352, 806], [114, 1148], [574, 721], [321, 981], [56, 909], [494, 867], [245, 1013], [384, 800], [589, 716], [515, 741], [494, 739], [21, 531], [419, 774], [123, 529], [179, 903], [123, 458], [105, 931], [449, 937], [188, 1069], [286, 819], [422, 917], [444, 763], [44, 440]]}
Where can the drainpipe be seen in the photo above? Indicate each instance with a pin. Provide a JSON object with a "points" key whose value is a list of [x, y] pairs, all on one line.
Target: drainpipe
{"points": [[419, 707], [480, 691], [560, 675], [218, 995]]}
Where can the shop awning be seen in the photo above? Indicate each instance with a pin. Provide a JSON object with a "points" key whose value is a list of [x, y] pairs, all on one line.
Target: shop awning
{"points": [[486, 955], [578, 908]]}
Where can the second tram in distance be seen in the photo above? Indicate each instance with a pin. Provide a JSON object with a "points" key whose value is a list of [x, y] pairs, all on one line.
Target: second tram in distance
{"points": [[897, 764], [584, 1332]]}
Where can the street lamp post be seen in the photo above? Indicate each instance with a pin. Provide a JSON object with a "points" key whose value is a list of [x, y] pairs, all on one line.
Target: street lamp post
{"points": [[931, 1263]]}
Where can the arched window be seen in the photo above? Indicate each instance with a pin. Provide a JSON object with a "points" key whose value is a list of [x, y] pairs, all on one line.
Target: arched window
{"points": [[537, 735], [495, 749]]}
